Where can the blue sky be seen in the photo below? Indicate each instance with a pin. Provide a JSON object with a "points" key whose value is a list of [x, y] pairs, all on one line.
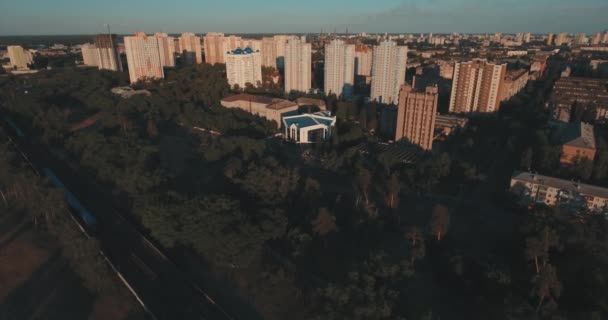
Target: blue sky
{"points": [[275, 16]]}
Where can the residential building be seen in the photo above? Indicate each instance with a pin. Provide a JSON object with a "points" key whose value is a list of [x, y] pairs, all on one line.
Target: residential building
{"points": [[596, 39], [577, 141], [586, 92], [580, 39], [309, 128], [269, 108], [363, 60], [446, 70], [445, 125], [536, 188], [280, 42], [190, 48], [143, 57], [416, 114], [297, 65], [527, 37], [339, 68], [561, 39], [388, 71], [214, 47], [244, 66], [107, 49], [476, 86], [166, 45], [269, 52], [19, 58], [514, 82], [550, 39], [90, 55]]}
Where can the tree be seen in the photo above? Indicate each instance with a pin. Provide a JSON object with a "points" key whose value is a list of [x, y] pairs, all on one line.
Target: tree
{"points": [[440, 221], [392, 188], [534, 251], [416, 244], [546, 286], [363, 182], [324, 223]]}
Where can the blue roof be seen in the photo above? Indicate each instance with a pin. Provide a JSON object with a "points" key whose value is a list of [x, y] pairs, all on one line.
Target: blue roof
{"points": [[242, 51], [307, 120]]}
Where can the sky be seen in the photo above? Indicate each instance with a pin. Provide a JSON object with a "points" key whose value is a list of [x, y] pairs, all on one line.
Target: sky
{"points": [[46, 17]]}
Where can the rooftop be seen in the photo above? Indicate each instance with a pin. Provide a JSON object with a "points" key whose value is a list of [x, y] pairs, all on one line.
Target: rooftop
{"points": [[578, 135], [241, 51], [279, 104], [308, 120], [571, 186], [248, 97]]}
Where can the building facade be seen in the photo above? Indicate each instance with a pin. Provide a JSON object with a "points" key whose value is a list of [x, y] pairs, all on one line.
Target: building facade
{"points": [[107, 50], [388, 72], [585, 92], [143, 57], [514, 82], [416, 114], [190, 48], [339, 68], [297, 65], [309, 128], [244, 66], [476, 86], [363, 60], [19, 57], [214, 47], [90, 56], [269, 108], [166, 45]]}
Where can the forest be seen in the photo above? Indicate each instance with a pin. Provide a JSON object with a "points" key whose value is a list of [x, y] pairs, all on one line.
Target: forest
{"points": [[329, 232]]}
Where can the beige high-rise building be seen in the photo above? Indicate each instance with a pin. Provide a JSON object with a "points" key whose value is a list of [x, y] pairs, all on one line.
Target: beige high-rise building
{"points": [[167, 49], [550, 39], [297, 65], [244, 66], [190, 48], [477, 86], [363, 60], [214, 47], [339, 68], [107, 50], [416, 116], [143, 57], [269, 52], [19, 58], [596, 38], [388, 71], [231, 43], [90, 55], [280, 42], [561, 39]]}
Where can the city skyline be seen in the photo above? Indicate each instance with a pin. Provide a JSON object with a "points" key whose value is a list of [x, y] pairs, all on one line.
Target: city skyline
{"points": [[411, 16]]}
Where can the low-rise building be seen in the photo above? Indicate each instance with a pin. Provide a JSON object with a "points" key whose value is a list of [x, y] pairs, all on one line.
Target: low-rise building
{"points": [[269, 108], [578, 142], [582, 91], [445, 124], [535, 188], [515, 81], [309, 128]]}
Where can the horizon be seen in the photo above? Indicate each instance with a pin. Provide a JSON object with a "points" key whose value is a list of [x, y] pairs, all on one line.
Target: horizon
{"points": [[61, 17]]}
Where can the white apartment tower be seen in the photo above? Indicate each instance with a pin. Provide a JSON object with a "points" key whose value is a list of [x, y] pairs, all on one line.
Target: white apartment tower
{"points": [[143, 57], [90, 55], [339, 68], [107, 51], [167, 49], [244, 66], [19, 57], [363, 60], [190, 48], [388, 71], [297, 65]]}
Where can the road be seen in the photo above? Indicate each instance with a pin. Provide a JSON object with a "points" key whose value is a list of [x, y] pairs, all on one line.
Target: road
{"points": [[165, 291]]}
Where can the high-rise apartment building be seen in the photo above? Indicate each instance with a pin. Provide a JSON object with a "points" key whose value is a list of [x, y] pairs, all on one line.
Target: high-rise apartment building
{"points": [[596, 38], [363, 60], [19, 58], [280, 42], [339, 68], [388, 71], [477, 86], [580, 39], [561, 39], [550, 39], [416, 114], [297, 65], [143, 57], [107, 49], [527, 37], [269, 52], [166, 45], [214, 47], [190, 48], [244, 66], [90, 55]]}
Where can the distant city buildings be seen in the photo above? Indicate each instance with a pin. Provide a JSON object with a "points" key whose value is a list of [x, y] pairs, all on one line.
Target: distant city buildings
{"points": [[107, 49], [190, 48], [90, 55], [363, 60], [536, 188], [298, 65], [477, 86], [244, 66], [585, 92], [416, 113], [388, 71], [143, 57], [339, 68], [19, 57], [166, 46]]}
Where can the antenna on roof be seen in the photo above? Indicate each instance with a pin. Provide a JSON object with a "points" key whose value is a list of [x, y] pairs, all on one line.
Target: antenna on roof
{"points": [[108, 26]]}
